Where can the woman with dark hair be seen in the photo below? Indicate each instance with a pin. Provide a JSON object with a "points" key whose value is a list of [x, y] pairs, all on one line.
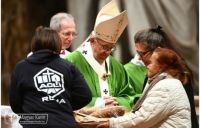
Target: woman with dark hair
{"points": [[164, 102], [46, 87], [146, 41]]}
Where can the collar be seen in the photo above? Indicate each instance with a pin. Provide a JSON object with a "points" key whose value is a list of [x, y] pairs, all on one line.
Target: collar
{"points": [[158, 75]]}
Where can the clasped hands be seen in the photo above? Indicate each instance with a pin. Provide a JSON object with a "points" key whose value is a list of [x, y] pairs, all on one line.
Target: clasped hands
{"points": [[110, 101]]}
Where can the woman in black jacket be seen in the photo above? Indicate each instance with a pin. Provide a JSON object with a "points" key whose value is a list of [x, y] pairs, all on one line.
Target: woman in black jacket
{"points": [[45, 89]]}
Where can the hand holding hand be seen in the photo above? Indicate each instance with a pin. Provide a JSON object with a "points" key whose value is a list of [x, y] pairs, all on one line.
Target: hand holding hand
{"points": [[110, 101], [103, 125]]}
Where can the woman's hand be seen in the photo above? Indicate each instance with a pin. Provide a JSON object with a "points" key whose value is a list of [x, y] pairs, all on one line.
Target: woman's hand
{"points": [[103, 125]]}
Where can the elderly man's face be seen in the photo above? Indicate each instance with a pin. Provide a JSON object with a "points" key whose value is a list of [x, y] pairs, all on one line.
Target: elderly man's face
{"points": [[67, 33], [101, 49]]}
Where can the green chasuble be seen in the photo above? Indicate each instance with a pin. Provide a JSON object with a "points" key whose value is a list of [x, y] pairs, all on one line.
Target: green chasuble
{"points": [[137, 75], [117, 80]]}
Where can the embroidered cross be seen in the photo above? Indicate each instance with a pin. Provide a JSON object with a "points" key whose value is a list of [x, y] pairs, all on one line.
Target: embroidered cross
{"points": [[104, 77], [105, 91], [84, 51]]}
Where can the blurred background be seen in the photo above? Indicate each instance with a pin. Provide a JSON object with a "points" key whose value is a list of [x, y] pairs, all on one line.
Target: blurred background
{"points": [[179, 18]]}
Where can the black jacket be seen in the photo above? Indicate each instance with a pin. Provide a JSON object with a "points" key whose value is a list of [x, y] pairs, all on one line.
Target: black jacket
{"points": [[45, 84], [189, 90]]}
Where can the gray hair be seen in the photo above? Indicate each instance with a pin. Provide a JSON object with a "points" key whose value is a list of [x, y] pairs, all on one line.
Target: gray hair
{"points": [[55, 22], [152, 37]]}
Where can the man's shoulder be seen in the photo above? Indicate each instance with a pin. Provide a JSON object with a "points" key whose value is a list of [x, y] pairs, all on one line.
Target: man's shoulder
{"points": [[74, 55], [129, 64], [113, 59], [114, 62], [133, 66], [76, 58]]}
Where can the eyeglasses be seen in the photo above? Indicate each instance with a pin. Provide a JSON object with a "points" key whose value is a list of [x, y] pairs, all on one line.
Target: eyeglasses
{"points": [[143, 53], [106, 48], [68, 34]]}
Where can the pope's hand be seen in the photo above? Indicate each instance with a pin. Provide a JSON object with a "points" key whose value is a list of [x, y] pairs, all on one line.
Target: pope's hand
{"points": [[110, 101]]}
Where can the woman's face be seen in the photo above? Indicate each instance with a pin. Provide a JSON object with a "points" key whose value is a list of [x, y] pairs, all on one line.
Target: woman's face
{"points": [[143, 52], [153, 66]]}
